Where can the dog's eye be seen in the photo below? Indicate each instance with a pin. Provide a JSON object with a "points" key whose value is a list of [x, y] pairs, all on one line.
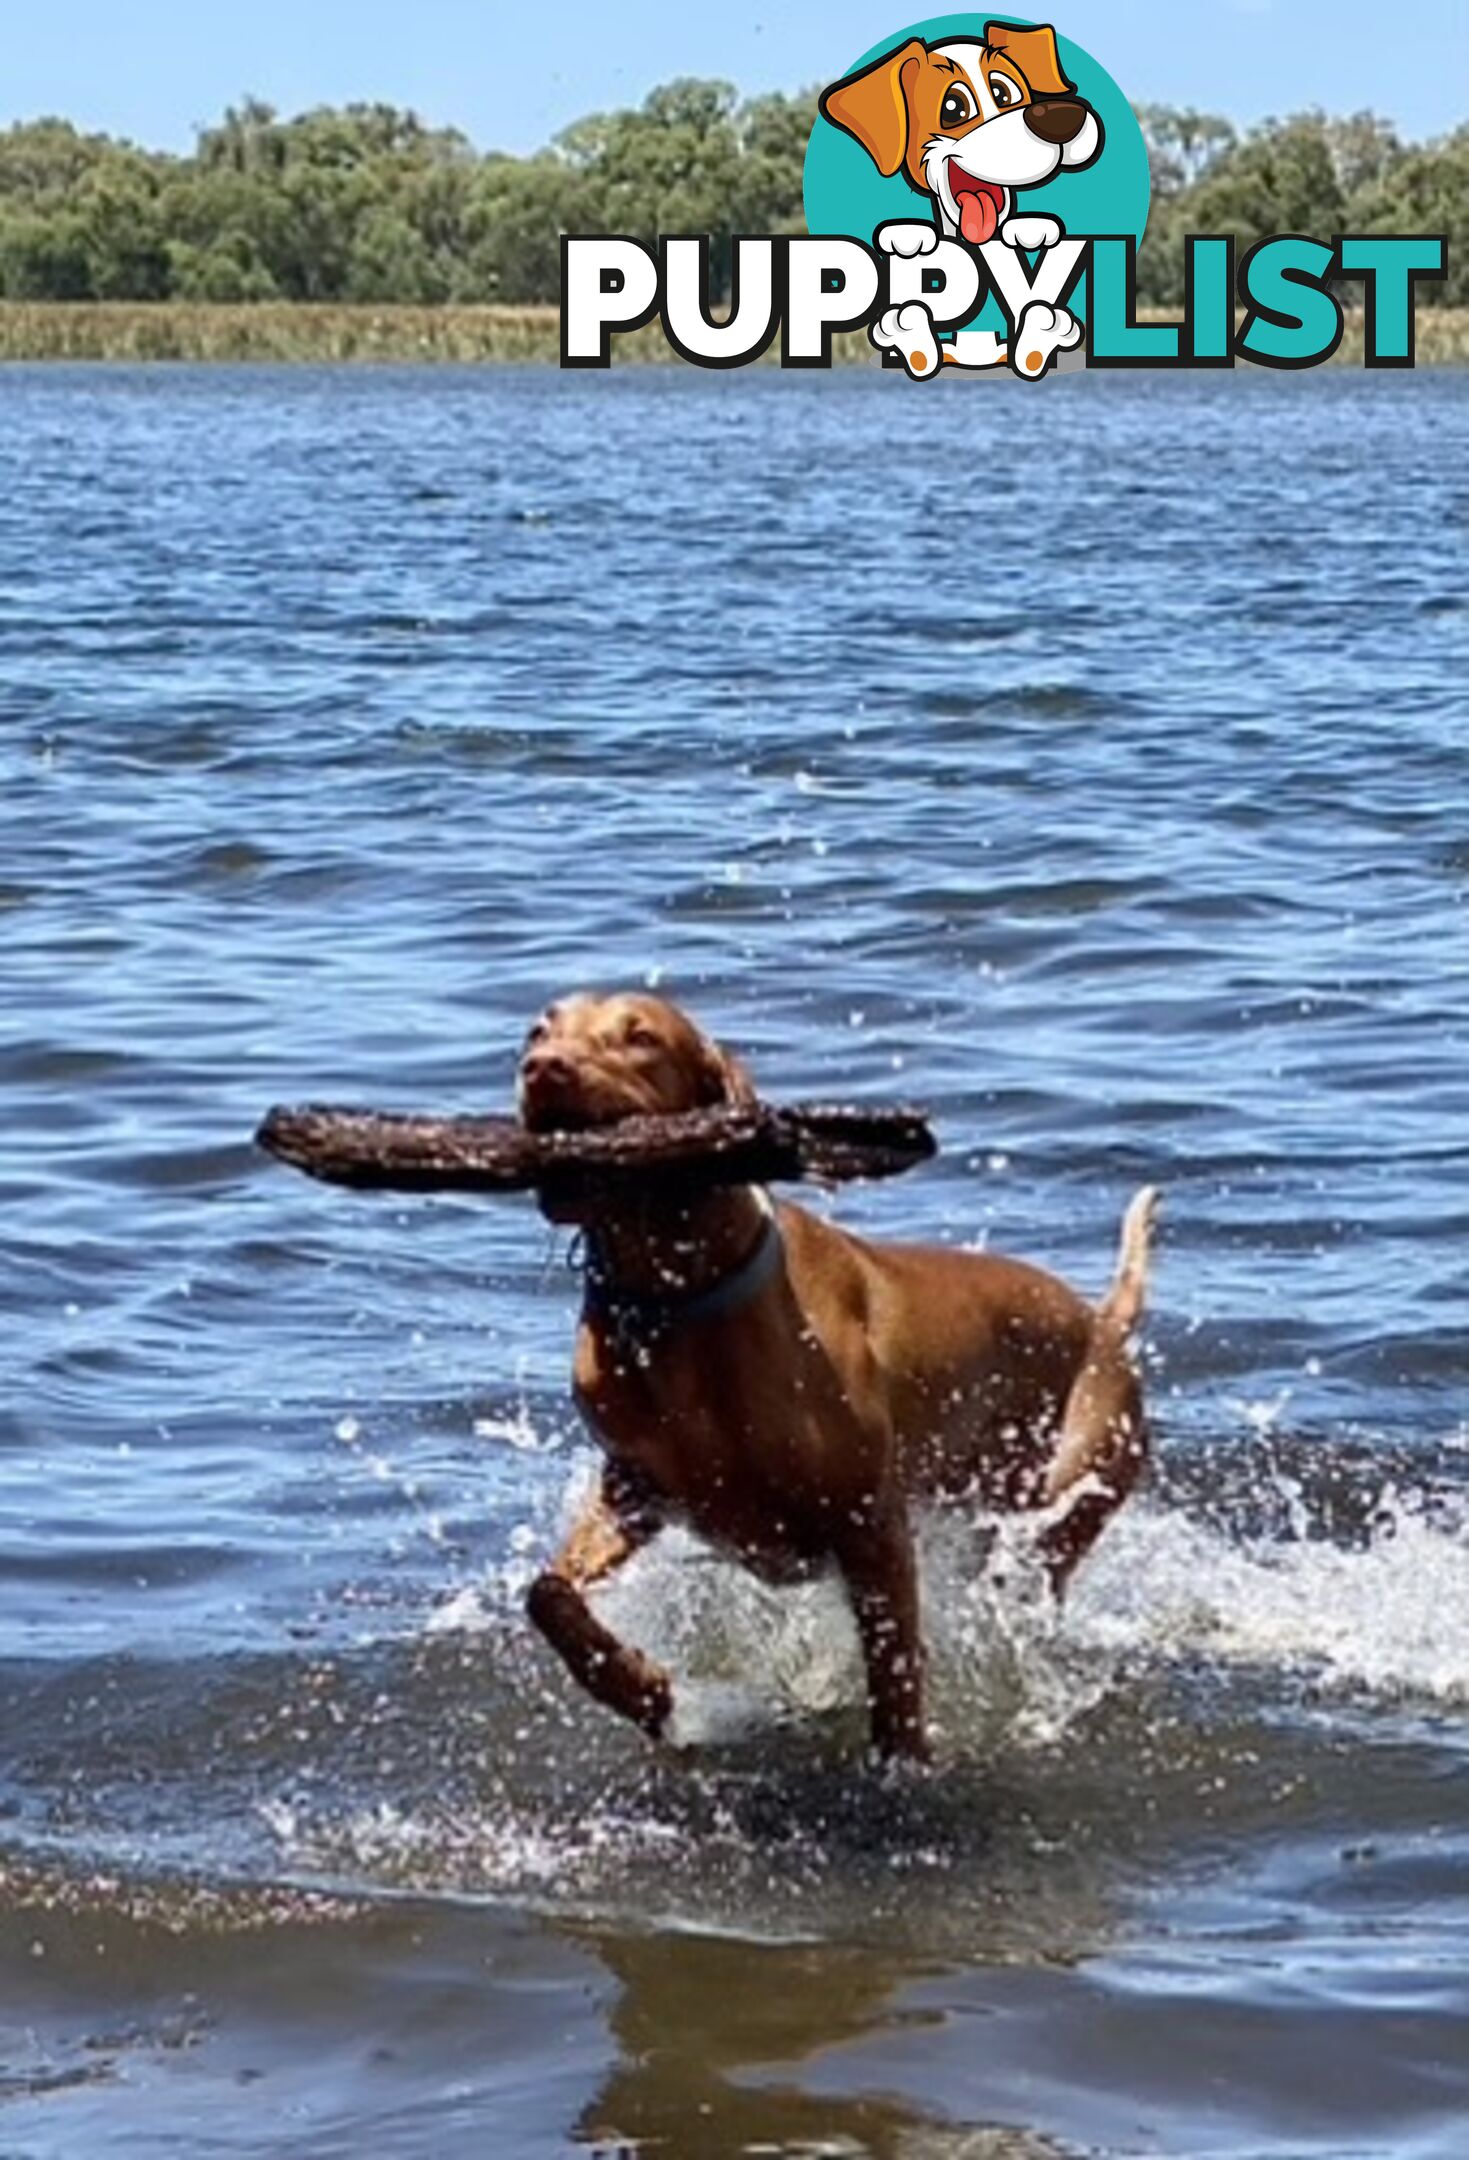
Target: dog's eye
{"points": [[641, 1036], [536, 1033], [958, 106], [1004, 91]]}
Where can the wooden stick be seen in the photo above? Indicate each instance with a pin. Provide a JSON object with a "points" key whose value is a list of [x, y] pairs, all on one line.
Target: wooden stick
{"points": [[384, 1151]]}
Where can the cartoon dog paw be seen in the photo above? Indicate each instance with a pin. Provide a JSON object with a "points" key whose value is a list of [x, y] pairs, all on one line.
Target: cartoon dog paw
{"points": [[1031, 232], [903, 237], [1040, 334], [908, 331]]}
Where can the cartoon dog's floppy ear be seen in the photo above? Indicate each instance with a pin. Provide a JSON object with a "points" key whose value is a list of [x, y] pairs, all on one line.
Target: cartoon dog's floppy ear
{"points": [[1034, 53], [872, 105]]}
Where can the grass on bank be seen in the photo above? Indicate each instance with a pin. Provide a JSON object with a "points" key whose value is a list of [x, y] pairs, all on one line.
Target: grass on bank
{"points": [[297, 331]]}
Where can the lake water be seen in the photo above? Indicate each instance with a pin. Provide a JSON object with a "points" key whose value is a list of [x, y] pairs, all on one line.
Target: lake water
{"points": [[1087, 763]]}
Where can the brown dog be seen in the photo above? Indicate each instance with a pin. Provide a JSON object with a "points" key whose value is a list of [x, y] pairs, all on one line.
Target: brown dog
{"points": [[792, 1392]]}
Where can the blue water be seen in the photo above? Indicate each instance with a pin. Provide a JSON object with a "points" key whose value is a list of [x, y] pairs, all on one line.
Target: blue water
{"points": [[1087, 762]]}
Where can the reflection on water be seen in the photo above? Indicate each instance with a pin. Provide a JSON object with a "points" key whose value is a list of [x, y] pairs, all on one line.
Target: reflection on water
{"points": [[717, 2034]]}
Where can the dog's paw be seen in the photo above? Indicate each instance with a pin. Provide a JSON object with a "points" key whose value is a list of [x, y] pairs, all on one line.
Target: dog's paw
{"points": [[1040, 334], [903, 237], [1031, 232], [908, 331]]}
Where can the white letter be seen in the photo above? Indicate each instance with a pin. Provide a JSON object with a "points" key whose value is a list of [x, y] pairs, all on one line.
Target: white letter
{"points": [[1011, 279], [908, 280], [686, 302], [606, 284], [813, 309]]}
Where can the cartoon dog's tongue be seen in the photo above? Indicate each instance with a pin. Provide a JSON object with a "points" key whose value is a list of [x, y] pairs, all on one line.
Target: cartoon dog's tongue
{"points": [[977, 220], [978, 206]]}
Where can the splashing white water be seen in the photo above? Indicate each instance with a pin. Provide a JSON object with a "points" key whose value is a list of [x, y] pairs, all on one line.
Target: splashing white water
{"points": [[491, 1846], [1380, 1623], [1002, 1663], [1387, 1616]]}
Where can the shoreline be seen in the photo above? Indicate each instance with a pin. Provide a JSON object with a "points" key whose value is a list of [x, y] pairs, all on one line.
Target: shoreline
{"points": [[297, 331]]}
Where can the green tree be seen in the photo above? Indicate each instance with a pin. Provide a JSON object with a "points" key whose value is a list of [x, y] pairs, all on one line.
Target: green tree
{"points": [[773, 132], [518, 210], [370, 202], [1424, 191], [44, 258], [41, 161], [116, 210], [249, 139], [1364, 149], [1182, 144], [1283, 176], [227, 268]]}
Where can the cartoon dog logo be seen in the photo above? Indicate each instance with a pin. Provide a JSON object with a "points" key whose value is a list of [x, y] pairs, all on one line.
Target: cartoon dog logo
{"points": [[967, 123]]}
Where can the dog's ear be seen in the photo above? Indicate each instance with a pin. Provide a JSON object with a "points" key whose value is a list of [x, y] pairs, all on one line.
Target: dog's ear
{"points": [[724, 1079], [1034, 53], [873, 105]]}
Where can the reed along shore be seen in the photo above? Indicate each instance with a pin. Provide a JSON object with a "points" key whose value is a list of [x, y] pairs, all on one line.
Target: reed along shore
{"points": [[299, 331]]}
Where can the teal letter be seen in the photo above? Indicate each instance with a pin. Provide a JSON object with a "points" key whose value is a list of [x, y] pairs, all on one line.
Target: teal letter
{"points": [[1389, 267], [1115, 338], [1208, 283], [1292, 322]]}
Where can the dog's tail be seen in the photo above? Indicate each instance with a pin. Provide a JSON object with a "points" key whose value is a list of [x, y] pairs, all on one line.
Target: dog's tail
{"points": [[1122, 1307]]}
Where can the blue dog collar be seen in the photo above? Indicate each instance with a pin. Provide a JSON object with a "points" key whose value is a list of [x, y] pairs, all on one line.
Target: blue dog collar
{"points": [[634, 1316]]}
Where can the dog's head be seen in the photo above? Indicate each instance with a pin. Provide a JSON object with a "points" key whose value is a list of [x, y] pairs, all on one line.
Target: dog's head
{"points": [[590, 1060], [968, 123]]}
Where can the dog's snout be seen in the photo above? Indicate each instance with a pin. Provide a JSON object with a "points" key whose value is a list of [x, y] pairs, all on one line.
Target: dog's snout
{"points": [[1055, 120], [550, 1088], [547, 1066]]}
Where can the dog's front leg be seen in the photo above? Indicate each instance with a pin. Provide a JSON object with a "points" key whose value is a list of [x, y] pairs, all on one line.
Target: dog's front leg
{"points": [[1031, 233], [905, 236], [618, 1519], [880, 1568]]}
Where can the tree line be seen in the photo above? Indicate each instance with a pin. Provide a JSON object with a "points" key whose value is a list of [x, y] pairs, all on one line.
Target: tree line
{"points": [[366, 203]]}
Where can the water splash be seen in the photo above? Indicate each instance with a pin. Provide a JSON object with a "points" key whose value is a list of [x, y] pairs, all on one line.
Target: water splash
{"points": [[1383, 1614], [1165, 1695], [1386, 1616]]}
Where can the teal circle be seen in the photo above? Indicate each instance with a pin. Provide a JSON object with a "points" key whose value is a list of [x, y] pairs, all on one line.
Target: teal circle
{"points": [[845, 193]]}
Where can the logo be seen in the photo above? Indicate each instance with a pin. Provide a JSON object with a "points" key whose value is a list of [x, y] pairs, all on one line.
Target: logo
{"points": [[976, 161], [975, 193]]}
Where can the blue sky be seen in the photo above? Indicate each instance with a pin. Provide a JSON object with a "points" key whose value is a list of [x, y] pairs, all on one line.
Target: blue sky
{"points": [[511, 76]]}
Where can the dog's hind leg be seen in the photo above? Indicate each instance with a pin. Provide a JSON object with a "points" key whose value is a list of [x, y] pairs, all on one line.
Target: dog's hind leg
{"points": [[1102, 1447]]}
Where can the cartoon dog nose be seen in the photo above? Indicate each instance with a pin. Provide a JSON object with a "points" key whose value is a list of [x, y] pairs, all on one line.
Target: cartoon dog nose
{"points": [[1055, 120]]}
